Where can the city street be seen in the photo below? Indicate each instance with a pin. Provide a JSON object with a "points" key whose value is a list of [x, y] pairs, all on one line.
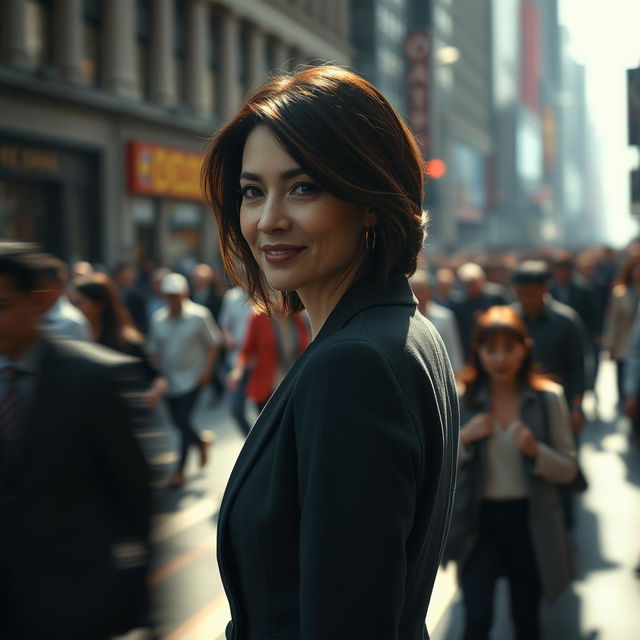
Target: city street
{"points": [[189, 602]]}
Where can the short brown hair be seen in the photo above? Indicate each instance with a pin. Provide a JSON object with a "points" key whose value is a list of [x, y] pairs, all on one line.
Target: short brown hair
{"points": [[348, 138]]}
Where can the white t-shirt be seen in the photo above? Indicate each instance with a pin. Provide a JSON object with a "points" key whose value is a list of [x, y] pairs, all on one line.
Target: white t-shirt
{"points": [[182, 344]]}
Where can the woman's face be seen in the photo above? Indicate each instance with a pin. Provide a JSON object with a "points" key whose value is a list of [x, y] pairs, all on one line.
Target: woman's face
{"points": [[302, 237], [502, 357], [89, 308]]}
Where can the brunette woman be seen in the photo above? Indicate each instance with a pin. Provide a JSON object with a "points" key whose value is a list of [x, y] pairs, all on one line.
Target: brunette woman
{"points": [[516, 446], [333, 521], [111, 326]]}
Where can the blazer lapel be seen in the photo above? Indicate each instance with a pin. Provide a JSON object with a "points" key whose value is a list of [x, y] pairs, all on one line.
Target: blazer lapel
{"points": [[354, 300]]}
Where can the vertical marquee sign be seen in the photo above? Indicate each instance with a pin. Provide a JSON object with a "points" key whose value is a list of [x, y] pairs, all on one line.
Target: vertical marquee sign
{"points": [[418, 54]]}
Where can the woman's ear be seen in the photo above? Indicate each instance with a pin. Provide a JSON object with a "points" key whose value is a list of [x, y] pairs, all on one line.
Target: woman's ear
{"points": [[370, 218]]}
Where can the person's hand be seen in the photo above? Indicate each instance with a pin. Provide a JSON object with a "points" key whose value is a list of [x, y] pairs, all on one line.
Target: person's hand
{"points": [[152, 397], [577, 421], [630, 407], [524, 440], [233, 379], [478, 428]]}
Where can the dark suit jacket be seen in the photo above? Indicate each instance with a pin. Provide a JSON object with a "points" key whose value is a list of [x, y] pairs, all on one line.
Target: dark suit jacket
{"points": [[333, 521], [73, 483]]}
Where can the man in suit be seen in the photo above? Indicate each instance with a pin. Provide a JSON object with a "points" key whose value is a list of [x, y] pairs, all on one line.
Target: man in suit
{"points": [[74, 491]]}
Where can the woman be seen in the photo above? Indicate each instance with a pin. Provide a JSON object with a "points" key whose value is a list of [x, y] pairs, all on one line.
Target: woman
{"points": [[516, 445], [271, 347], [333, 520], [621, 312], [111, 326]]}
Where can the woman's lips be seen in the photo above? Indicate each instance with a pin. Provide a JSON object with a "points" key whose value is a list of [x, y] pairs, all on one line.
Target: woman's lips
{"points": [[279, 253]]}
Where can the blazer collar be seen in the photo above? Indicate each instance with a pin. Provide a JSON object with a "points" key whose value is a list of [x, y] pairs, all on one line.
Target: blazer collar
{"points": [[482, 396], [358, 297]]}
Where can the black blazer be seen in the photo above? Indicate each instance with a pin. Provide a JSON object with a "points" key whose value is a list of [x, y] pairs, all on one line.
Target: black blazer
{"points": [[333, 520], [71, 485]]}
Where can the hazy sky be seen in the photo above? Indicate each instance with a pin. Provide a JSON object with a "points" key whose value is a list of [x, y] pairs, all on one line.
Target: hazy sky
{"points": [[605, 37]]}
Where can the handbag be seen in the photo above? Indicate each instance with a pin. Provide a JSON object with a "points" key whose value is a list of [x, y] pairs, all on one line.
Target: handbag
{"points": [[579, 484]]}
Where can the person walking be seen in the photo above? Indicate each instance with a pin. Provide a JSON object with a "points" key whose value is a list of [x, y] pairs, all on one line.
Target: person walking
{"points": [[75, 501], [516, 445], [271, 347], [234, 320], [620, 315], [442, 318], [333, 520], [111, 326], [184, 341]]}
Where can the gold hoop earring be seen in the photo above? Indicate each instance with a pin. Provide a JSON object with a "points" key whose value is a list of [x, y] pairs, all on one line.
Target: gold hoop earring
{"points": [[368, 242]]}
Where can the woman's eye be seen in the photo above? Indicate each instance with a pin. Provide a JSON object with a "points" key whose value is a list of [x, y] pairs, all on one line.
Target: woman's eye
{"points": [[305, 189], [249, 192]]}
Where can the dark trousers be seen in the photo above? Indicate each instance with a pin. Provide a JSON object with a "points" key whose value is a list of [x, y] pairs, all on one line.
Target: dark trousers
{"points": [[181, 408], [620, 371], [238, 401], [503, 548]]}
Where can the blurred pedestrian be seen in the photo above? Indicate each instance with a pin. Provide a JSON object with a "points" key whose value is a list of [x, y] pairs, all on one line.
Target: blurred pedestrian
{"points": [[475, 297], [111, 326], [81, 269], [234, 320], [74, 489], [570, 289], [444, 287], [334, 518], [125, 278], [621, 313], [62, 320], [516, 445], [184, 340], [559, 337], [442, 318], [155, 300], [272, 345], [208, 290]]}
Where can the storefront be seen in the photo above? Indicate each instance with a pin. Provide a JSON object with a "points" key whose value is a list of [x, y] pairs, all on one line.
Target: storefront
{"points": [[50, 194], [171, 224]]}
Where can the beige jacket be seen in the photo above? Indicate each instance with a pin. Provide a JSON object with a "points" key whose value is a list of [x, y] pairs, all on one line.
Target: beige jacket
{"points": [[621, 313]]}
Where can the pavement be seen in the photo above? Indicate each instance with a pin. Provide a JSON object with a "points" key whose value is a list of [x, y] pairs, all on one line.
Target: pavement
{"points": [[603, 603]]}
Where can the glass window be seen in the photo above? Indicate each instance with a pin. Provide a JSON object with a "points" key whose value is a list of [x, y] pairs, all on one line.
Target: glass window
{"points": [[39, 37], [91, 61], [184, 241], [180, 37], [142, 47], [243, 43], [213, 55]]}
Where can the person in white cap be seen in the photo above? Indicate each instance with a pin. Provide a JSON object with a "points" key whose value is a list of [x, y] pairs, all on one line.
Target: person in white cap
{"points": [[184, 339]]}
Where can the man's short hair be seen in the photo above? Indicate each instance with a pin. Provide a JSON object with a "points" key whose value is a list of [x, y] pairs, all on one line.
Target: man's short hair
{"points": [[24, 263], [531, 272], [54, 271]]}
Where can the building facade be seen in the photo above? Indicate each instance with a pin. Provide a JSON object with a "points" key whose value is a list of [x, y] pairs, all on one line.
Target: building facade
{"points": [[106, 107]]}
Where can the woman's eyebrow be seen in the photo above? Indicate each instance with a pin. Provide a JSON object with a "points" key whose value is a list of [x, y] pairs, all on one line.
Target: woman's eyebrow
{"points": [[285, 175]]}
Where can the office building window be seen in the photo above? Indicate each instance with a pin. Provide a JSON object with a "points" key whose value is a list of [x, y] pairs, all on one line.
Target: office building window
{"points": [[39, 39], [213, 56], [91, 60], [243, 53], [143, 18], [180, 40]]}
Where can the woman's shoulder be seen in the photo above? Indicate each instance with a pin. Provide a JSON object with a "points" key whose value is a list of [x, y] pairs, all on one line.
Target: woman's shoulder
{"points": [[549, 389]]}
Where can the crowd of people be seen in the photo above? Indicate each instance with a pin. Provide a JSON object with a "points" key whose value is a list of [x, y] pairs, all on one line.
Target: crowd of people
{"points": [[524, 335]]}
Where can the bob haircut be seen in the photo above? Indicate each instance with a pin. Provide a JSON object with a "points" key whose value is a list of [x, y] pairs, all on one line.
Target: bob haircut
{"points": [[347, 137], [500, 322]]}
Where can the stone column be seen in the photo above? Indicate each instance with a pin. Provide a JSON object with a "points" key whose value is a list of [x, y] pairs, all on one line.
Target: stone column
{"points": [[198, 96], [119, 48], [68, 44], [229, 67], [162, 54], [13, 20], [282, 56], [257, 58]]}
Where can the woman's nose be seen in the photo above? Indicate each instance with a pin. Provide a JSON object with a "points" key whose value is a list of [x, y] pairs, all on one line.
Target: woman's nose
{"points": [[273, 217]]}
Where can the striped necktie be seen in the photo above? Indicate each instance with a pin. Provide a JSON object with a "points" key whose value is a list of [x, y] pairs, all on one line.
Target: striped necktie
{"points": [[9, 405]]}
